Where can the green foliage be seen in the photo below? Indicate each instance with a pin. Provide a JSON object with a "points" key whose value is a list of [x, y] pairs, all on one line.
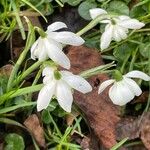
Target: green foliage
{"points": [[118, 7], [123, 51], [72, 2], [84, 8], [129, 54], [14, 142], [144, 49]]}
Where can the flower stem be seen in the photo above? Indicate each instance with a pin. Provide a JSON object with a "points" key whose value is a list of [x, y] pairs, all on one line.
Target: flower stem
{"points": [[27, 72], [92, 24], [133, 59], [124, 63], [96, 70]]}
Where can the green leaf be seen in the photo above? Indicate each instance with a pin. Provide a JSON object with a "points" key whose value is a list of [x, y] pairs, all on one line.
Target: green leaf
{"points": [[8, 109], [118, 7], [84, 8], [34, 8], [72, 2], [11, 122], [121, 52], [46, 116], [144, 49], [137, 12], [14, 142]]}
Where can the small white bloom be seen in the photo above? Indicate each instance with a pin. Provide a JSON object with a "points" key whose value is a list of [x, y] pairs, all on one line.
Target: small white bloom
{"points": [[60, 84], [122, 92], [116, 28], [51, 46]]}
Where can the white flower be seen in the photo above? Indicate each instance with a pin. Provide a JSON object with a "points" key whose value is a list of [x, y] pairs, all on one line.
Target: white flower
{"points": [[51, 46], [60, 84], [122, 92], [116, 28]]}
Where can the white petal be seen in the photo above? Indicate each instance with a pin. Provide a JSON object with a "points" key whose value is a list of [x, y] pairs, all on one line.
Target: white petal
{"points": [[120, 94], [45, 96], [106, 37], [104, 85], [33, 48], [116, 35], [56, 26], [131, 24], [119, 33], [138, 74], [77, 82], [66, 37], [42, 54], [123, 17], [64, 95], [48, 71], [133, 86], [96, 12], [56, 54]]}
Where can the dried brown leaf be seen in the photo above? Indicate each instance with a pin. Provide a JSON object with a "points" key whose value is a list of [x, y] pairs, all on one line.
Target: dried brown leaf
{"points": [[135, 128], [33, 125], [6, 70], [100, 112], [145, 130]]}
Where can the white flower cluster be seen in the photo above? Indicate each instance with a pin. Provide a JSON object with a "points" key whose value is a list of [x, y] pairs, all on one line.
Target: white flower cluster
{"points": [[116, 28], [60, 83], [125, 90]]}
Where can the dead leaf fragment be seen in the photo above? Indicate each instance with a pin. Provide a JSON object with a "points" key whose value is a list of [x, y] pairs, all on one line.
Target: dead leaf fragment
{"points": [[33, 125], [135, 128], [145, 130], [100, 112], [6, 70]]}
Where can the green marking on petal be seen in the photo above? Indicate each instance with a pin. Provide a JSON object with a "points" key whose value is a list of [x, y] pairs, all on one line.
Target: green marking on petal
{"points": [[57, 75]]}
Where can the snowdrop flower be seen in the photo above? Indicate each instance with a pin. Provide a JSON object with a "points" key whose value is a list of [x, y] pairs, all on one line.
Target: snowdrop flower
{"points": [[116, 28], [123, 91], [51, 45], [60, 84]]}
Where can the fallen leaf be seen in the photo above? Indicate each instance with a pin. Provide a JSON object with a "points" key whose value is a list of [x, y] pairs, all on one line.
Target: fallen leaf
{"points": [[142, 98], [71, 117], [145, 130], [6, 70], [135, 128], [85, 143], [128, 127], [33, 125], [101, 114]]}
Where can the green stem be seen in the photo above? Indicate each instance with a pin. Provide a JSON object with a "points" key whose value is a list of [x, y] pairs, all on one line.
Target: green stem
{"points": [[124, 63], [27, 72], [59, 3], [96, 70], [19, 92], [55, 125], [133, 59], [37, 77], [20, 60], [92, 24]]}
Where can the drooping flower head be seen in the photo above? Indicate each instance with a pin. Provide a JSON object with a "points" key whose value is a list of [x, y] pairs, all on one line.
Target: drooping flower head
{"points": [[60, 84], [51, 45], [116, 28], [124, 90]]}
